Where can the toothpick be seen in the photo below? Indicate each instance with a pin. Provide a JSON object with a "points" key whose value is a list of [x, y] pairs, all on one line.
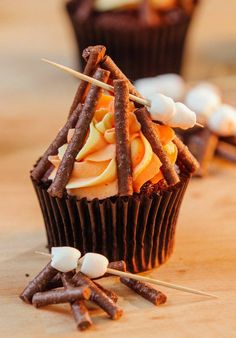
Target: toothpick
{"points": [[149, 280], [98, 83], [83, 77], [159, 282]]}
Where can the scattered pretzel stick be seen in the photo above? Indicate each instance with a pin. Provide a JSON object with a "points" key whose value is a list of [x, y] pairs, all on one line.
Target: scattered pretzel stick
{"points": [[38, 283], [43, 164], [98, 297], [146, 291], [149, 132], [109, 293], [60, 296], [66, 166], [123, 155], [93, 56], [78, 308]]}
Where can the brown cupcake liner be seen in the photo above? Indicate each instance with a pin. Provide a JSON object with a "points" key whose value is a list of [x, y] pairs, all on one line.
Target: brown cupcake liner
{"points": [[139, 52], [139, 229]]}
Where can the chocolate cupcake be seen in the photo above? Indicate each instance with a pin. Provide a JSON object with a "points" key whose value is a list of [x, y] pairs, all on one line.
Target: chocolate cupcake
{"points": [[112, 181], [143, 37]]}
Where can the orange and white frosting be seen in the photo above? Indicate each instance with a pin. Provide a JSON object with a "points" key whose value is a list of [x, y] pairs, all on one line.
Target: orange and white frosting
{"points": [[95, 170], [108, 5]]}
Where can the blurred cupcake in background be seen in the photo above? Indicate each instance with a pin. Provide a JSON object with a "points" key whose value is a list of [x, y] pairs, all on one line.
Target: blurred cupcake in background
{"points": [[143, 37]]}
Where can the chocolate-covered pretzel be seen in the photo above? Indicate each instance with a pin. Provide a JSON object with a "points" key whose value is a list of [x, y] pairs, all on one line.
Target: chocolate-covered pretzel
{"points": [[146, 291], [60, 296], [93, 56], [39, 283], [78, 308], [116, 74], [150, 133], [43, 164], [123, 154], [66, 166], [185, 156], [109, 293], [98, 297]]}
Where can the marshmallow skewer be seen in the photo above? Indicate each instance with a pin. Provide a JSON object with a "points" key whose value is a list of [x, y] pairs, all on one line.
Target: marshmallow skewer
{"points": [[83, 77], [139, 277]]}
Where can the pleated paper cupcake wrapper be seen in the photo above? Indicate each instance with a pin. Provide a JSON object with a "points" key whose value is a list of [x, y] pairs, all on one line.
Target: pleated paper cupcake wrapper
{"points": [[137, 229], [140, 52]]}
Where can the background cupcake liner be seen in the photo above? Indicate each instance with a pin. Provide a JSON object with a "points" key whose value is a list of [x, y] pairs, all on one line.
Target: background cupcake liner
{"points": [[137, 229], [139, 52]]}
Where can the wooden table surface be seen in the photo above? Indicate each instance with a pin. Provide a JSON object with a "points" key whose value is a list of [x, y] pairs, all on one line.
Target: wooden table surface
{"points": [[34, 101]]}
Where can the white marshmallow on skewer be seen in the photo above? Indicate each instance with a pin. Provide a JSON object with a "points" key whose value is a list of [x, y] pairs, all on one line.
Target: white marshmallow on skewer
{"points": [[94, 265], [183, 117], [223, 120], [203, 100], [162, 107], [171, 85], [173, 114], [65, 258]]}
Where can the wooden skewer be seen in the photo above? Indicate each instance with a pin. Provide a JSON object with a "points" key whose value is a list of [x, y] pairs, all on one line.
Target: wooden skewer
{"points": [[149, 280], [83, 77]]}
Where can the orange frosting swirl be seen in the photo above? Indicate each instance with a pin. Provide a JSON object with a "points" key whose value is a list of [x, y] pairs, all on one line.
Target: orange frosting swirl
{"points": [[95, 171]]}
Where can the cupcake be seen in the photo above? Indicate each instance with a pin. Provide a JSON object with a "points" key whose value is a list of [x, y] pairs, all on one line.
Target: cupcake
{"points": [[143, 37], [218, 118], [112, 181]]}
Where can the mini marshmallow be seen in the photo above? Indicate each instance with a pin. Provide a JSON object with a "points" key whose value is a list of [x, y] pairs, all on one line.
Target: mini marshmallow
{"points": [[171, 85], [65, 258], [162, 108], [183, 117], [203, 100], [223, 120], [94, 265]]}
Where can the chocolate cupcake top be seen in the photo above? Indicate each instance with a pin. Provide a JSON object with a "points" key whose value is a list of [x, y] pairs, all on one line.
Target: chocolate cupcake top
{"points": [[138, 12], [110, 146]]}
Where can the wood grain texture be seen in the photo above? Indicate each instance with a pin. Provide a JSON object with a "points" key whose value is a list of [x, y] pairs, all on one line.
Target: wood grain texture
{"points": [[34, 103]]}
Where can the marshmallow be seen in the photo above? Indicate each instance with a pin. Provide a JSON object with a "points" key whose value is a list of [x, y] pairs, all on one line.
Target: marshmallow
{"points": [[162, 107], [223, 120], [65, 258], [171, 85], [203, 100], [94, 265], [173, 114], [183, 117]]}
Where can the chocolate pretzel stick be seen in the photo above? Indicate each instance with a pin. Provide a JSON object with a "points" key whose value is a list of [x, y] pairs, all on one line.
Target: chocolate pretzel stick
{"points": [[116, 74], [93, 56], [60, 296], [54, 283], [78, 308], [66, 166], [185, 156], [148, 16], [117, 265], [43, 164], [146, 291], [150, 133], [38, 283], [123, 155], [98, 297], [109, 293]]}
